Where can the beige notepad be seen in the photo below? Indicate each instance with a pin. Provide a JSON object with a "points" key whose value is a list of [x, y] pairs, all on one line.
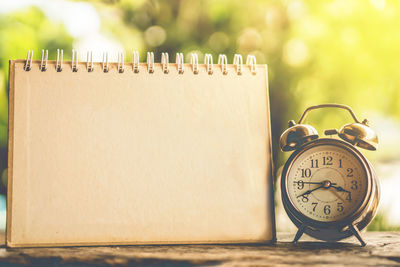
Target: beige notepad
{"points": [[101, 158]]}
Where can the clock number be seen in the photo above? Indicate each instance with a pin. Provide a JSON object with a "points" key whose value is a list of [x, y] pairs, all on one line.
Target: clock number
{"points": [[327, 209], [305, 173], [304, 198], [349, 172], [348, 197], [314, 163], [300, 184], [327, 160], [315, 204], [354, 185], [340, 207], [340, 163]]}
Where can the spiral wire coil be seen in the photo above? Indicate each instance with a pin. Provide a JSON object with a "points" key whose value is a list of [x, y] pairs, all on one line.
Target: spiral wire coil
{"points": [[121, 63], [74, 60], [208, 61], [59, 60], [135, 62], [165, 63], [43, 62], [194, 62], [179, 62], [89, 61]]}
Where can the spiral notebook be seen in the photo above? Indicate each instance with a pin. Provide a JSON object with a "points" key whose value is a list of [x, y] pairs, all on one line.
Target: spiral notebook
{"points": [[104, 153]]}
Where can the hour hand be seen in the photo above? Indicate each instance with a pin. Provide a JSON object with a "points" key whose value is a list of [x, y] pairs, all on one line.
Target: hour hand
{"points": [[309, 191]]}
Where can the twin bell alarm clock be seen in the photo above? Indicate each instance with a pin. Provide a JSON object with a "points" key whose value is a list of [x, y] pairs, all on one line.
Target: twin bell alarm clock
{"points": [[329, 189]]}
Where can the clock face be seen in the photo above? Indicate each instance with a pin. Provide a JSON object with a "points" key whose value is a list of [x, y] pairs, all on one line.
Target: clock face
{"points": [[326, 183]]}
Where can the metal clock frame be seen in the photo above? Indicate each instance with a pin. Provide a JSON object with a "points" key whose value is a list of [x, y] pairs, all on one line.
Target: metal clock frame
{"points": [[340, 229]]}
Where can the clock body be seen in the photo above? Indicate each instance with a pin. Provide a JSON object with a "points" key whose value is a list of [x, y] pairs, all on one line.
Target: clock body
{"points": [[328, 185]]}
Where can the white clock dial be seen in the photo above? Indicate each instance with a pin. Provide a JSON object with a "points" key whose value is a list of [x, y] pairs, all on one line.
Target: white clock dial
{"points": [[326, 183]]}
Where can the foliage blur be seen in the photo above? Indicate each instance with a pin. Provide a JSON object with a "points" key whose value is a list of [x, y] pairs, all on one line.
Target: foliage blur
{"points": [[317, 52]]}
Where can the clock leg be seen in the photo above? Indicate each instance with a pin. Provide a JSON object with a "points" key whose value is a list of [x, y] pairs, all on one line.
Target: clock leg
{"points": [[299, 233], [354, 230]]}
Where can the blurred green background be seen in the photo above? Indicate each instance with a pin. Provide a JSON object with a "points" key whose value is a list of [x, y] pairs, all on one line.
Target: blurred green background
{"points": [[343, 51]]}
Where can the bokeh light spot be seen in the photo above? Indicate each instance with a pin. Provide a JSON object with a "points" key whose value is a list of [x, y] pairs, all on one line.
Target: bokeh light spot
{"points": [[218, 41], [350, 37], [378, 4], [274, 17], [155, 36], [296, 10], [249, 40], [295, 53]]}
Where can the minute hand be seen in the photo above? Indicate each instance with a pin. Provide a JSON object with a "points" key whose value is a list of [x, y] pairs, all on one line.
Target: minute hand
{"points": [[340, 189], [309, 191]]}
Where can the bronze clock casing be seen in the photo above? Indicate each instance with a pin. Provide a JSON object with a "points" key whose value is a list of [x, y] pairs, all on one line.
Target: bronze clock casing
{"points": [[335, 230]]}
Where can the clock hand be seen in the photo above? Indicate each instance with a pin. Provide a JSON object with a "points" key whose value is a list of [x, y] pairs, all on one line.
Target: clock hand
{"points": [[341, 189], [309, 191], [315, 183], [337, 195]]}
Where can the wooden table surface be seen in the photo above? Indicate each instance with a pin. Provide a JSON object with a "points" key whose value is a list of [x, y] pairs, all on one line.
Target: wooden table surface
{"points": [[383, 249]]}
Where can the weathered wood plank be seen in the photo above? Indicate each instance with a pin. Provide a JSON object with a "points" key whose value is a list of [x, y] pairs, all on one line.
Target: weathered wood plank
{"points": [[383, 249]]}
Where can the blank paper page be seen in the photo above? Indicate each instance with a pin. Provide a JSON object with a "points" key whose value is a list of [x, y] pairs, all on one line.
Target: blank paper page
{"points": [[127, 158]]}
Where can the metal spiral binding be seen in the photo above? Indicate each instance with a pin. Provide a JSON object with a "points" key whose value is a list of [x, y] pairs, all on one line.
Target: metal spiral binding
{"points": [[89, 61], [105, 62], [43, 62], [28, 62], [179, 62], [121, 64], [59, 61], [165, 63], [194, 60], [238, 62], [135, 62], [251, 60], [209, 63], [223, 61], [150, 62], [74, 60]]}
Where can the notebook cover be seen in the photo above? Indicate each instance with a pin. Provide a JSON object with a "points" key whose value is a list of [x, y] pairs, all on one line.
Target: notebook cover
{"points": [[138, 158]]}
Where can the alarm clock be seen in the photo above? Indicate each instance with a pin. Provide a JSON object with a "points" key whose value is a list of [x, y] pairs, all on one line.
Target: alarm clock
{"points": [[329, 189]]}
